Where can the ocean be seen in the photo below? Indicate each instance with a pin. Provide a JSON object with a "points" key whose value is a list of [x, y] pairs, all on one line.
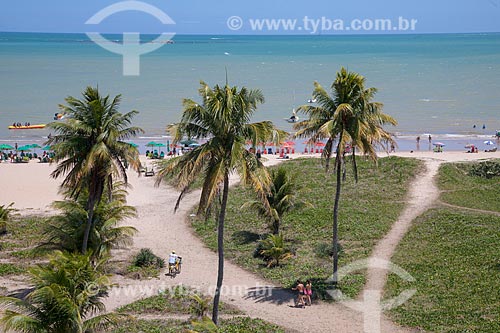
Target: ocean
{"points": [[439, 84]]}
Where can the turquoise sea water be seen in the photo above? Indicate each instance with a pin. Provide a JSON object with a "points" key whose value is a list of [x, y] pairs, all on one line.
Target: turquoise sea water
{"points": [[439, 84]]}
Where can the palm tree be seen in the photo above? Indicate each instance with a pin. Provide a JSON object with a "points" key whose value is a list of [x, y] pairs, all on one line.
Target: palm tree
{"points": [[5, 211], [90, 150], [281, 199], [274, 248], [65, 232], [223, 116], [66, 298], [349, 116]]}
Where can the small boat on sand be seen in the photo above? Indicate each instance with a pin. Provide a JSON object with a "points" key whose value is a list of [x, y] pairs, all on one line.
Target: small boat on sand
{"points": [[25, 127]]}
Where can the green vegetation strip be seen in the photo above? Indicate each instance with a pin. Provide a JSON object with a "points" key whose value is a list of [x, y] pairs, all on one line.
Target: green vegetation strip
{"points": [[367, 211], [10, 269], [175, 301], [462, 189], [454, 258], [235, 325]]}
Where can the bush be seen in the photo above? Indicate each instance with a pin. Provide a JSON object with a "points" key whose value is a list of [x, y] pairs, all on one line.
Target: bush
{"points": [[488, 170], [325, 249], [146, 258]]}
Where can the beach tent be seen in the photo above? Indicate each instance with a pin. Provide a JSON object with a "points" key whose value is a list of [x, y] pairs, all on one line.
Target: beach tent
{"points": [[488, 143]]}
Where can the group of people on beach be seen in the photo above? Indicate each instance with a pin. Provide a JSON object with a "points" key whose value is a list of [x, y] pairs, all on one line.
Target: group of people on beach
{"points": [[304, 293], [20, 124]]}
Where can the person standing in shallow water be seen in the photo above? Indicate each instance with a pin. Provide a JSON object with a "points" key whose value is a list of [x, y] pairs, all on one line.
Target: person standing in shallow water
{"points": [[430, 138]]}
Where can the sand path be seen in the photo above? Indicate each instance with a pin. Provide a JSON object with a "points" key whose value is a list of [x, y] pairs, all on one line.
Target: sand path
{"points": [[423, 194]]}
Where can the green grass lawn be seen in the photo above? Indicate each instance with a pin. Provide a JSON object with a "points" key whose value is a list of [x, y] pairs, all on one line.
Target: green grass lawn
{"points": [[454, 256], [367, 211], [467, 191]]}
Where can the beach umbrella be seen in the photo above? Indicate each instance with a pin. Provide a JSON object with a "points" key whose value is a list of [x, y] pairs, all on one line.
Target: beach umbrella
{"points": [[319, 144], [24, 148], [439, 144], [194, 145], [188, 142], [151, 144], [5, 146], [47, 148], [488, 143], [34, 146], [160, 145], [135, 145]]}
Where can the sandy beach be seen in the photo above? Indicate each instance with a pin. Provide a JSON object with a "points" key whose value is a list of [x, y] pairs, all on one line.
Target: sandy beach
{"points": [[32, 189]]}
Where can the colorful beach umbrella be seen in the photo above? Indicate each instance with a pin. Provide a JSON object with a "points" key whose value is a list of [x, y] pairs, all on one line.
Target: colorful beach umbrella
{"points": [[488, 143], [439, 144]]}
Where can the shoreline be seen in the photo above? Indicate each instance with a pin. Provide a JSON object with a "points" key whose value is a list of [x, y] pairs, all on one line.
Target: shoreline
{"points": [[405, 143], [32, 190]]}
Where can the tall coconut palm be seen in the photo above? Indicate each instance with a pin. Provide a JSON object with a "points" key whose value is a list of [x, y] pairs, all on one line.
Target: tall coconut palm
{"points": [[347, 116], [280, 200], [223, 117], [66, 298], [89, 148]]}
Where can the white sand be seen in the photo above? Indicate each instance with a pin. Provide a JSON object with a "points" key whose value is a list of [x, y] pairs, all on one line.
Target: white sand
{"points": [[30, 187]]}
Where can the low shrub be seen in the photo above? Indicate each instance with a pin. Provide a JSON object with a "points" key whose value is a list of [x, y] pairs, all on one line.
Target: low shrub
{"points": [[487, 169], [146, 258]]}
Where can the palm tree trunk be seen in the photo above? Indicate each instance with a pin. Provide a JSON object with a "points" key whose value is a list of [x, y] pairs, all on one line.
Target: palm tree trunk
{"points": [[88, 227], [276, 226], [220, 248], [329, 147], [335, 219], [95, 194]]}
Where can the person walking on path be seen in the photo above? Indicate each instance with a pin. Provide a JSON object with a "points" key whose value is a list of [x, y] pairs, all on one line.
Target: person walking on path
{"points": [[308, 292], [300, 297]]}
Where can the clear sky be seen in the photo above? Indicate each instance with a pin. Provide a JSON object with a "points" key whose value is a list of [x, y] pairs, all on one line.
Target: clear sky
{"points": [[211, 17]]}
